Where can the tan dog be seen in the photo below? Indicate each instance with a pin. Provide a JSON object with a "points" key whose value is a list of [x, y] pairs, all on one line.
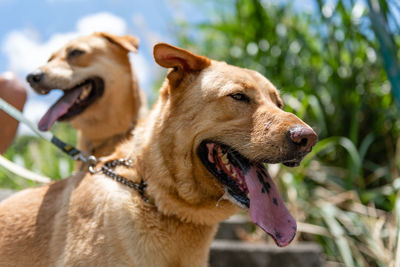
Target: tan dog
{"points": [[201, 152], [102, 99]]}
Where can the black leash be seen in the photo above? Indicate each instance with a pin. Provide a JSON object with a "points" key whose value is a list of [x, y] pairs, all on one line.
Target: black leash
{"points": [[71, 151]]}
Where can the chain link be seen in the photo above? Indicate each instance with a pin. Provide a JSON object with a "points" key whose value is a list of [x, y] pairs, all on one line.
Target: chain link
{"points": [[108, 169]]}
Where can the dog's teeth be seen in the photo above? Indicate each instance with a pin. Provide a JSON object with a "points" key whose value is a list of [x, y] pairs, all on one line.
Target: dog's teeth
{"points": [[228, 167], [234, 175], [225, 159], [85, 92], [219, 152]]}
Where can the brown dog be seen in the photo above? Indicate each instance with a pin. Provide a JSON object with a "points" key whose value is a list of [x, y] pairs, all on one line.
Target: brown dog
{"points": [[102, 99], [201, 152]]}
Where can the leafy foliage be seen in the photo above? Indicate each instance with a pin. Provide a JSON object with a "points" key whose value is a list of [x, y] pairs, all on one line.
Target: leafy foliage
{"points": [[39, 156]]}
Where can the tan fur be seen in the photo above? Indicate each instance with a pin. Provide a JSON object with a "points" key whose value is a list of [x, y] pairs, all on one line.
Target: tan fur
{"points": [[111, 118], [91, 220]]}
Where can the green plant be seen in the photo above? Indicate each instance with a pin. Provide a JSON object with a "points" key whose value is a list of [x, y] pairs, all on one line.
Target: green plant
{"points": [[39, 156]]}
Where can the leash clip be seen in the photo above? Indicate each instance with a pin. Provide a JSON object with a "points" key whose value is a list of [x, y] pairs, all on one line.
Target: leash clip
{"points": [[92, 161], [80, 157]]}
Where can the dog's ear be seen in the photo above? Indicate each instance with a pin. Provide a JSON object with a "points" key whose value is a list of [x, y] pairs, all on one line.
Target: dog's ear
{"points": [[181, 60], [169, 56], [128, 42]]}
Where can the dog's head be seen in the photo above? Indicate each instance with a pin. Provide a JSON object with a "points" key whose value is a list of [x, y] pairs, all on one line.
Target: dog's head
{"points": [[228, 122], [95, 75]]}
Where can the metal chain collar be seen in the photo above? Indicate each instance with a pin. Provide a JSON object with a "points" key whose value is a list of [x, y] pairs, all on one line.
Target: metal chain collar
{"points": [[108, 170]]}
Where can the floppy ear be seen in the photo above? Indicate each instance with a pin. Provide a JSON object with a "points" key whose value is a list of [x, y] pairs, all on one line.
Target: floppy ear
{"points": [[182, 61], [169, 56], [128, 42]]}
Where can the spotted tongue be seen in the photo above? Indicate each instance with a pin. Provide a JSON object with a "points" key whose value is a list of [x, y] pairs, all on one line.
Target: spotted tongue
{"points": [[59, 108], [267, 209]]}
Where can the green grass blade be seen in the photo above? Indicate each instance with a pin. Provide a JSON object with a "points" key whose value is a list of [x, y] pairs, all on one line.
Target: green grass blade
{"points": [[328, 214]]}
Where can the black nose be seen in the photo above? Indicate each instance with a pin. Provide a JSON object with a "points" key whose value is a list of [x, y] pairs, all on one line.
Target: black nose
{"points": [[304, 137], [35, 77]]}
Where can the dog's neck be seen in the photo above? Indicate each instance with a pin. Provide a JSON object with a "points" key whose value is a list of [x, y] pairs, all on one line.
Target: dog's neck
{"points": [[173, 176], [102, 138], [104, 146]]}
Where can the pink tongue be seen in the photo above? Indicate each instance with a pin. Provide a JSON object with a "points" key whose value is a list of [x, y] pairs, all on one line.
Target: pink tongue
{"points": [[58, 109], [267, 209]]}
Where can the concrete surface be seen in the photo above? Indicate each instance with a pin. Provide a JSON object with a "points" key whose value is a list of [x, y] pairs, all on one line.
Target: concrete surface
{"points": [[230, 253]]}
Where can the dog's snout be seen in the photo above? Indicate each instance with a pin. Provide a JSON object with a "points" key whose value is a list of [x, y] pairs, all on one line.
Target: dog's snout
{"points": [[35, 77], [304, 137]]}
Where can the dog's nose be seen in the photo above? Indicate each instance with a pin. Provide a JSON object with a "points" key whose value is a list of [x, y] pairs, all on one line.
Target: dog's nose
{"points": [[304, 137], [35, 77]]}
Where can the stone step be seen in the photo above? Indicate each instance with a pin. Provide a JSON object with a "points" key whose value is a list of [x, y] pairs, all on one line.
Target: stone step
{"points": [[236, 253]]}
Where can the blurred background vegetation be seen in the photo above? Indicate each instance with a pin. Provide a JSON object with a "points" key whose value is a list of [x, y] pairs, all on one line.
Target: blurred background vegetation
{"points": [[332, 70]]}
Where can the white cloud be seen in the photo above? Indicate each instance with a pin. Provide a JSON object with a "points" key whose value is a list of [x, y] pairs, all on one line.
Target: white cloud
{"points": [[142, 69], [25, 51], [102, 22]]}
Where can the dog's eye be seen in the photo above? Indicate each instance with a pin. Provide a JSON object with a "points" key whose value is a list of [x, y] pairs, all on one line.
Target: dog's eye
{"points": [[240, 97], [75, 53]]}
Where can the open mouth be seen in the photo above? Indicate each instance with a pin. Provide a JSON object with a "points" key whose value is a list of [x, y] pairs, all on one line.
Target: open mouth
{"points": [[73, 102], [248, 184]]}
